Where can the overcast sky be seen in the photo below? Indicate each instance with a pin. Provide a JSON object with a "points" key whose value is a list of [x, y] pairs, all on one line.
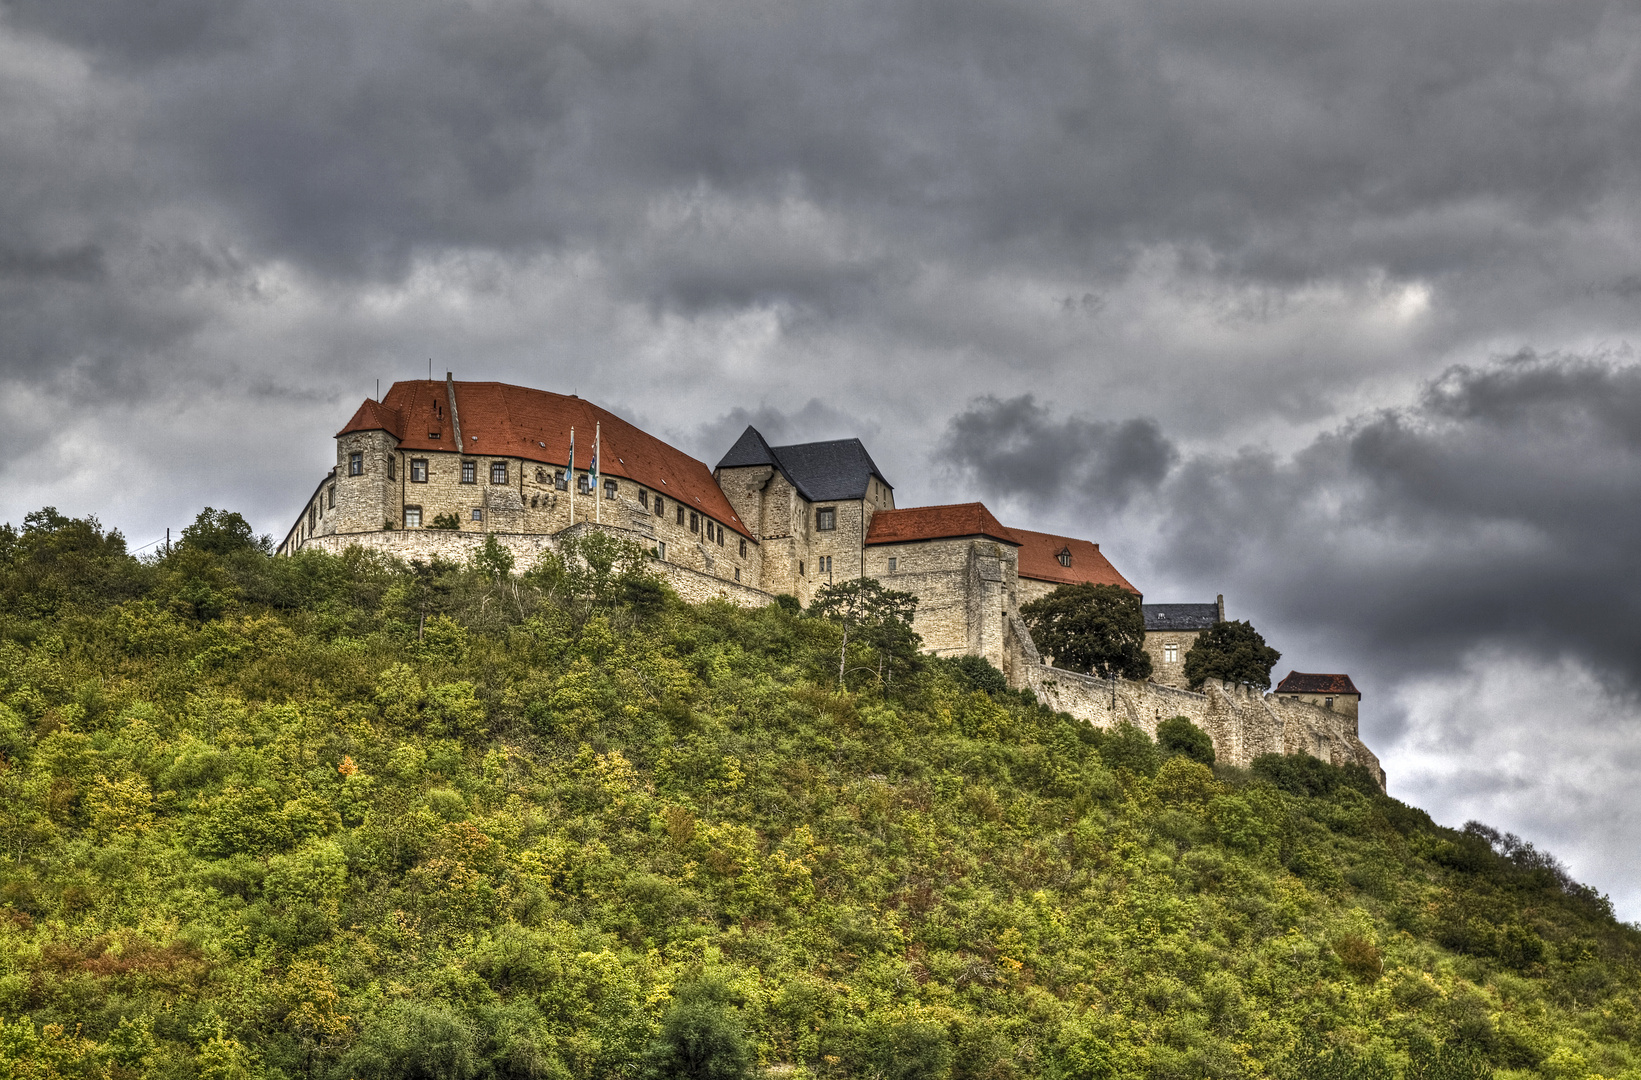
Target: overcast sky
{"points": [[1325, 305]]}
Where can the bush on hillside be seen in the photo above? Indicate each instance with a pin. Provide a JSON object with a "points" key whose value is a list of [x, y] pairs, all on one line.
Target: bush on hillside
{"points": [[1177, 735]]}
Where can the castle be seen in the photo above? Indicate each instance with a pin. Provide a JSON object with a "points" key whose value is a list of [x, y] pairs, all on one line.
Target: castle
{"points": [[437, 468]]}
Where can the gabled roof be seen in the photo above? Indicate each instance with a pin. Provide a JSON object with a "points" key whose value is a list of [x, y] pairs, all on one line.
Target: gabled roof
{"points": [[1040, 560], [821, 471], [1180, 616], [937, 523], [517, 421], [1300, 682]]}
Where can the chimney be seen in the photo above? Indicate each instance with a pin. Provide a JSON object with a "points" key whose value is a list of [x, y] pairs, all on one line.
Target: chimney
{"points": [[1221, 598], [456, 420]]}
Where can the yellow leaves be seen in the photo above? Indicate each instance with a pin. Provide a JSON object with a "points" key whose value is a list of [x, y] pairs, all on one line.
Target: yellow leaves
{"points": [[347, 768], [313, 1000], [125, 805]]}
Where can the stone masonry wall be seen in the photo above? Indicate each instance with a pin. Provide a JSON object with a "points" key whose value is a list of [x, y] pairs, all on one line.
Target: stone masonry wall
{"points": [[692, 585], [965, 589]]}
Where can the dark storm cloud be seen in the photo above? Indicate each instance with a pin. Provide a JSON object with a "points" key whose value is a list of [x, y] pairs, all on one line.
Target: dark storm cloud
{"points": [[1016, 448], [1501, 509], [814, 422]]}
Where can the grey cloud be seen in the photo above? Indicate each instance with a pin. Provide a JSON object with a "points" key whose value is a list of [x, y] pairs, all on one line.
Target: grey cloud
{"points": [[813, 422], [1017, 451]]}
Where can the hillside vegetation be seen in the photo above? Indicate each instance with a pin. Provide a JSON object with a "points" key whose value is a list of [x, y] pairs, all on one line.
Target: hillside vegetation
{"points": [[339, 817]]}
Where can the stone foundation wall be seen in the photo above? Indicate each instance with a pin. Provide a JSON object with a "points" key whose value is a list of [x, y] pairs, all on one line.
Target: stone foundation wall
{"points": [[1242, 722], [694, 586]]}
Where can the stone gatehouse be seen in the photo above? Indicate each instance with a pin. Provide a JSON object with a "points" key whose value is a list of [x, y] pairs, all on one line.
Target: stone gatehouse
{"points": [[436, 468]]}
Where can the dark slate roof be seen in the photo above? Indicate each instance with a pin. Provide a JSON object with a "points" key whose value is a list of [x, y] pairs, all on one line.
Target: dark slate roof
{"points": [[821, 471], [1300, 682], [1180, 616]]}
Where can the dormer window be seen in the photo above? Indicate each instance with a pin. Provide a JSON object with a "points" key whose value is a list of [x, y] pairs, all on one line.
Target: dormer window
{"points": [[1064, 556]]}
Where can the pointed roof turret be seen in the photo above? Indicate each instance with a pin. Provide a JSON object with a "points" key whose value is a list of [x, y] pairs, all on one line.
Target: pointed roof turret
{"points": [[749, 449]]}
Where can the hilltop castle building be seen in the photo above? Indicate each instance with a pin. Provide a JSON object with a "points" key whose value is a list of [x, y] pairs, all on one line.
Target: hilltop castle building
{"points": [[434, 469]]}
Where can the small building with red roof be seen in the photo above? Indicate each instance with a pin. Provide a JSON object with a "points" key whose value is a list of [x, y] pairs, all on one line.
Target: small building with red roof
{"points": [[1330, 691]]}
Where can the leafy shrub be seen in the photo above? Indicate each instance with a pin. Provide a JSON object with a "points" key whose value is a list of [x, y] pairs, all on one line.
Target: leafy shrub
{"points": [[1177, 735]]}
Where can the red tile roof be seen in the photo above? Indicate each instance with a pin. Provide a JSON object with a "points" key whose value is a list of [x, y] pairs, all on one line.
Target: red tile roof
{"points": [[516, 421], [1040, 560], [1299, 682], [937, 523], [374, 416]]}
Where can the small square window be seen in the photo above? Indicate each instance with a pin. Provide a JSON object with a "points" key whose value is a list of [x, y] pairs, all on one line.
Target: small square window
{"points": [[418, 471], [1170, 653], [611, 488], [894, 563], [470, 472], [413, 517], [478, 514], [1330, 703], [584, 484], [356, 463], [826, 519], [561, 481], [498, 472], [392, 467]]}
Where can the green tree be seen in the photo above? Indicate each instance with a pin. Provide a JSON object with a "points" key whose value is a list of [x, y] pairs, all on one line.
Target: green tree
{"points": [[874, 617], [223, 532], [1097, 628], [1231, 652], [702, 1036], [1177, 735]]}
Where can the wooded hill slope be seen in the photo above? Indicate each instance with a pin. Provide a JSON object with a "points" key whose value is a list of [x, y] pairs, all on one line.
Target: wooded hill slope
{"points": [[337, 817]]}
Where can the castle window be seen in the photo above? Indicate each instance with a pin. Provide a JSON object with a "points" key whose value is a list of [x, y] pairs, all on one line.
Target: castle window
{"points": [[643, 498], [680, 510], [610, 488], [1170, 652], [800, 568], [392, 467], [418, 470], [470, 472], [498, 472], [541, 476], [894, 564], [356, 463], [1064, 556], [584, 484], [737, 573], [413, 517], [1329, 703], [313, 516], [478, 514], [661, 550], [826, 518], [694, 522], [561, 480], [743, 547], [660, 506], [825, 564], [330, 497]]}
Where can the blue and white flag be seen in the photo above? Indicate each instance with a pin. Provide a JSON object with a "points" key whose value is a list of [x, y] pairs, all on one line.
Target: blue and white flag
{"points": [[592, 468]]}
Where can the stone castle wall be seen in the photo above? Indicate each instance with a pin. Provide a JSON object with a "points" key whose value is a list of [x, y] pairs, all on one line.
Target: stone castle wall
{"points": [[1243, 723], [965, 589], [694, 586]]}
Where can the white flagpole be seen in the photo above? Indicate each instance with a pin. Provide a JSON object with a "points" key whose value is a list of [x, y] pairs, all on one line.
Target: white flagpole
{"points": [[569, 476], [598, 500]]}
